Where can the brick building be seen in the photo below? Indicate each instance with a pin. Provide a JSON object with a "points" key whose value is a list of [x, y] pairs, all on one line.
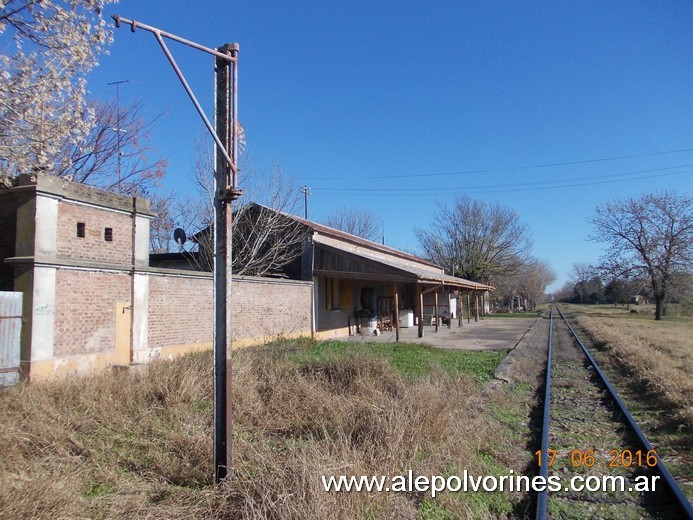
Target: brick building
{"points": [[92, 298], [80, 256], [359, 284]]}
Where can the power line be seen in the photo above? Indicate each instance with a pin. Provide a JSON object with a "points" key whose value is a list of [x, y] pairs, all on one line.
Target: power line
{"points": [[529, 186], [507, 169]]}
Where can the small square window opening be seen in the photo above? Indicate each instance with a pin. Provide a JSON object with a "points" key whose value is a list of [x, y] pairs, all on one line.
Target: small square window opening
{"points": [[81, 229], [108, 234]]}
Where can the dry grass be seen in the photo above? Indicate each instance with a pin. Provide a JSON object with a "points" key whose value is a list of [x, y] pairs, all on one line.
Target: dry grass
{"points": [[126, 446], [658, 354]]}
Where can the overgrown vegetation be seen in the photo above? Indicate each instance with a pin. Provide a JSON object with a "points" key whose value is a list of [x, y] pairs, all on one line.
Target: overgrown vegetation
{"points": [[656, 354], [120, 445]]}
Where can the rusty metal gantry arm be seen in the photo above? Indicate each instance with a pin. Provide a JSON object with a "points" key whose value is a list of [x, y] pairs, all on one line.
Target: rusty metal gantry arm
{"points": [[230, 191], [225, 134]]}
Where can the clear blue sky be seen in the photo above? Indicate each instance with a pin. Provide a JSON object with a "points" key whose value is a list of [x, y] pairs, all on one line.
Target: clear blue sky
{"points": [[388, 105]]}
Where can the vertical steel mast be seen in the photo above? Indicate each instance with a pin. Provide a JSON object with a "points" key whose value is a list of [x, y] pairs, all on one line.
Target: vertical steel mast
{"points": [[226, 179], [225, 135]]}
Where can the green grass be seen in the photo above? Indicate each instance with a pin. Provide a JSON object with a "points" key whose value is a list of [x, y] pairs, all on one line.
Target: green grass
{"points": [[412, 361], [430, 510]]}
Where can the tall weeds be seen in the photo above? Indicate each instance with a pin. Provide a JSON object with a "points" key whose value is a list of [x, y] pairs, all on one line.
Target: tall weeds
{"points": [[657, 354], [127, 446]]}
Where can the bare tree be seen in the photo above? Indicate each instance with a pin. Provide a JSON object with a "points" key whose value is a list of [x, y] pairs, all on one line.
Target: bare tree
{"points": [[363, 223], [266, 238], [525, 287], [652, 236], [115, 154], [162, 227], [475, 240], [588, 286], [582, 271], [535, 277]]}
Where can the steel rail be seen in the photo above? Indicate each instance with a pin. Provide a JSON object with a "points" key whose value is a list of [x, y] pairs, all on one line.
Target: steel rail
{"points": [[674, 487], [544, 466]]}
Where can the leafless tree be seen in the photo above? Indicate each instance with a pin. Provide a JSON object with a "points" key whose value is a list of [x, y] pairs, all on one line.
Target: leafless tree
{"points": [[525, 286], [265, 237], [115, 154], [475, 240], [162, 227], [652, 236], [588, 286], [582, 271], [535, 277], [363, 223]]}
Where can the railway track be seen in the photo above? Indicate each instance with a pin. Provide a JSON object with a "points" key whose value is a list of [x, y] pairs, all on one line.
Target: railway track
{"points": [[594, 457]]}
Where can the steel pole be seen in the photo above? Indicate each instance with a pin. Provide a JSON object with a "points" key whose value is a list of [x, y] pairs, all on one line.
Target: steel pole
{"points": [[225, 192]]}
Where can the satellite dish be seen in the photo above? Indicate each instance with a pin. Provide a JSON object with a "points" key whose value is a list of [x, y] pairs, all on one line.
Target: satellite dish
{"points": [[179, 236]]}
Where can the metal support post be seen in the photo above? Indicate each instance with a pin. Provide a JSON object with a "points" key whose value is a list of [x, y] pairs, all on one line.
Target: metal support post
{"points": [[225, 194], [225, 135]]}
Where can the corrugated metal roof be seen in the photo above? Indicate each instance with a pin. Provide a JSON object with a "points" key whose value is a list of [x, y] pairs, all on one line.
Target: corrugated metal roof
{"points": [[406, 267], [422, 275], [425, 276], [343, 235]]}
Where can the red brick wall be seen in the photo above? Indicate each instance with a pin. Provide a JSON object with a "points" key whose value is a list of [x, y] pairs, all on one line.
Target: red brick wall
{"points": [[93, 246], [181, 310], [85, 310], [269, 308]]}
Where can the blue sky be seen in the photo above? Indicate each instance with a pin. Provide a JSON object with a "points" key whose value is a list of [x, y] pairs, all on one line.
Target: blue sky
{"points": [[549, 108]]}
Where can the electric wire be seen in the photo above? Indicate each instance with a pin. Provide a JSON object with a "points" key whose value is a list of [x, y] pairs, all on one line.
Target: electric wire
{"points": [[495, 170], [526, 186]]}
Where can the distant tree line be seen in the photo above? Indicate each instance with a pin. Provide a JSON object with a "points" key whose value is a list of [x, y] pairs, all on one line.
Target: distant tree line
{"points": [[649, 253], [592, 285]]}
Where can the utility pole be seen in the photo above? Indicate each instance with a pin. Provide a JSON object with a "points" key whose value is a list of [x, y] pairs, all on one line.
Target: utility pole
{"points": [[306, 192], [117, 129], [225, 135], [225, 182]]}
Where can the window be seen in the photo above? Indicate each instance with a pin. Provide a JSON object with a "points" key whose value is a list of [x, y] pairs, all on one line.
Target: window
{"points": [[332, 294], [337, 294], [81, 229], [108, 234]]}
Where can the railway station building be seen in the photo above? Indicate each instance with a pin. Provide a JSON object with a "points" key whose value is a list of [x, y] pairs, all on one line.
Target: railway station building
{"points": [[93, 297]]}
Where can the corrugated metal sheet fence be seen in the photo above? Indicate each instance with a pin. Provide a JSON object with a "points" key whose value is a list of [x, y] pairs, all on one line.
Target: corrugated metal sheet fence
{"points": [[10, 331]]}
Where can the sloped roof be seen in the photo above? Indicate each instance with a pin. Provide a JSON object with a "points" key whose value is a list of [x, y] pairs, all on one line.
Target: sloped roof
{"points": [[427, 273], [392, 266], [411, 266], [348, 237]]}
